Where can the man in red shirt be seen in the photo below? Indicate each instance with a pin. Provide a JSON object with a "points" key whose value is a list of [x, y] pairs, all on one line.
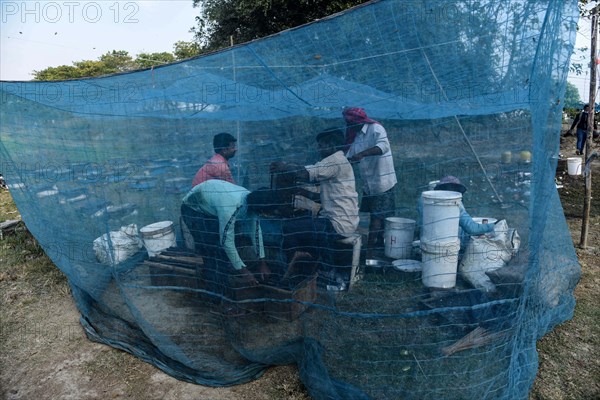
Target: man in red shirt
{"points": [[217, 167]]}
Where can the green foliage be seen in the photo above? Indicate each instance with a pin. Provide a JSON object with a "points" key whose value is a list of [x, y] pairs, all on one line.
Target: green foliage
{"points": [[147, 60], [246, 20], [117, 61], [183, 50], [110, 63], [572, 98], [57, 73]]}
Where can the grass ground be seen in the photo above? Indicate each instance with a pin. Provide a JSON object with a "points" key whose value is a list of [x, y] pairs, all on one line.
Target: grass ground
{"points": [[569, 356]]}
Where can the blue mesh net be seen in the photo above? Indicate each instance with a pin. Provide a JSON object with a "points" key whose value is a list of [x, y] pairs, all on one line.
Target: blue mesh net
{"points": [[99, 168]]}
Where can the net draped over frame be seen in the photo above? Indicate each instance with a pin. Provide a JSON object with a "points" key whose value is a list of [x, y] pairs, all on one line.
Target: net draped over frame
{"points": [[456, 84]]}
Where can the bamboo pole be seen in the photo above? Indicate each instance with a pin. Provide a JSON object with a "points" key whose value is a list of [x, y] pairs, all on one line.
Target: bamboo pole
{"points": [[587, 199], [237, 122]]}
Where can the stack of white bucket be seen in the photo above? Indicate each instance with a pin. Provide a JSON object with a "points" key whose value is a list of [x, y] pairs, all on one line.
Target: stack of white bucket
{"points": [[440, 242]]}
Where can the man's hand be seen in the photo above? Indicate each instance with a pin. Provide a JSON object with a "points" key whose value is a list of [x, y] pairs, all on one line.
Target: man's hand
{"points": [[314, 196], [245, 277], [371, 151], [356, 158], [263, 271]]}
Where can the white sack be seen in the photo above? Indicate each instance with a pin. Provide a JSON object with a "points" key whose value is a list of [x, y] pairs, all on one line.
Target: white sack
{"points": [[117, 246], [487, 253]]}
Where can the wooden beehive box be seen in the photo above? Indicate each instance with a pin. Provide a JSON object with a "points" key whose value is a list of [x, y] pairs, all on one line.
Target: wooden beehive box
{"points": [[177, 268], [280, 302]]}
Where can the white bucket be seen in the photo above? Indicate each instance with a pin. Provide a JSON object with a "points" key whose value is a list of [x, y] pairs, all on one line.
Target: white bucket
{"points": [[574, 165], [158, 236], [398, 237], [439, 263], [441, 212]]}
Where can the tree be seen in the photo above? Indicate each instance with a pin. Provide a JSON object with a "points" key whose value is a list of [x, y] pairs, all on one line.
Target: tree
{"points": [[147, 60], [247, 20], [79, 69], [59, 73], [110, 63], [183, 50], [117, 61], [572, 99]]}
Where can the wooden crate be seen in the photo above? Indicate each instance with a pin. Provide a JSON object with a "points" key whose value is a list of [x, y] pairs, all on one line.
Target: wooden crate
{"points": [[267, 296], [175, 268], [305, 291]]}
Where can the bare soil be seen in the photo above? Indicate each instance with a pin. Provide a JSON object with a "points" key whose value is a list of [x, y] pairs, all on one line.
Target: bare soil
{"points": [[44, 353]]}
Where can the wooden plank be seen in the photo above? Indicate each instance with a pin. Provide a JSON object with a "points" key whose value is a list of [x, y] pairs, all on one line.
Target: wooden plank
{"points": [[172, 268], [182, 259], [172, 275]]}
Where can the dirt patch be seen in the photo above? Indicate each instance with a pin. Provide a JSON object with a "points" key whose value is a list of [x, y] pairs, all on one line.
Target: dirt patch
{"points": [[45, 354]]}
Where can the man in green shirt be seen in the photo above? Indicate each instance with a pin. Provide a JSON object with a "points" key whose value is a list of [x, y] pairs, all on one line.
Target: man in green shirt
{"points": [[215, 206]]}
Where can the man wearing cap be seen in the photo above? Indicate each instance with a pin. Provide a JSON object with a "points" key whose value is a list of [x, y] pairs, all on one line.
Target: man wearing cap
{"points": [[217, 167], [368, 144]]}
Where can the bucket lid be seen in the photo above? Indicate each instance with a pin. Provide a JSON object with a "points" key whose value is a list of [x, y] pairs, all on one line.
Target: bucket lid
{"points": [[441, 195], [157, 228], [397, 221], [407, 265]]}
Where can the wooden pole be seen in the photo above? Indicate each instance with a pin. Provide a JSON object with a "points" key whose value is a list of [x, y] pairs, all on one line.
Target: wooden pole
{"points": [[587, 199], [237, 122]]}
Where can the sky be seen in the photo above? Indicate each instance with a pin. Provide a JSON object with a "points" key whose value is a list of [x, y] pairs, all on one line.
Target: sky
{"points": [[35, 35], [583, 41]]}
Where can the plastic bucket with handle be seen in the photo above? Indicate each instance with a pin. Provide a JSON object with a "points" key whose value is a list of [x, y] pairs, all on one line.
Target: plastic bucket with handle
{"points": [[398, 237], [441, 212], [158, 236], [439, 263], [574, 165]]}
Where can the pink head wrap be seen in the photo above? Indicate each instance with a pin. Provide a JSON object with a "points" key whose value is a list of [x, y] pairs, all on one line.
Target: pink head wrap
{"points": [[355, 116]]}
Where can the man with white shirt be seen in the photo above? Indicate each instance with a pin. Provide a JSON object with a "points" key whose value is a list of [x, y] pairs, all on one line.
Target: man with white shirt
{"points": [[369, 145], [338, 217]]}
